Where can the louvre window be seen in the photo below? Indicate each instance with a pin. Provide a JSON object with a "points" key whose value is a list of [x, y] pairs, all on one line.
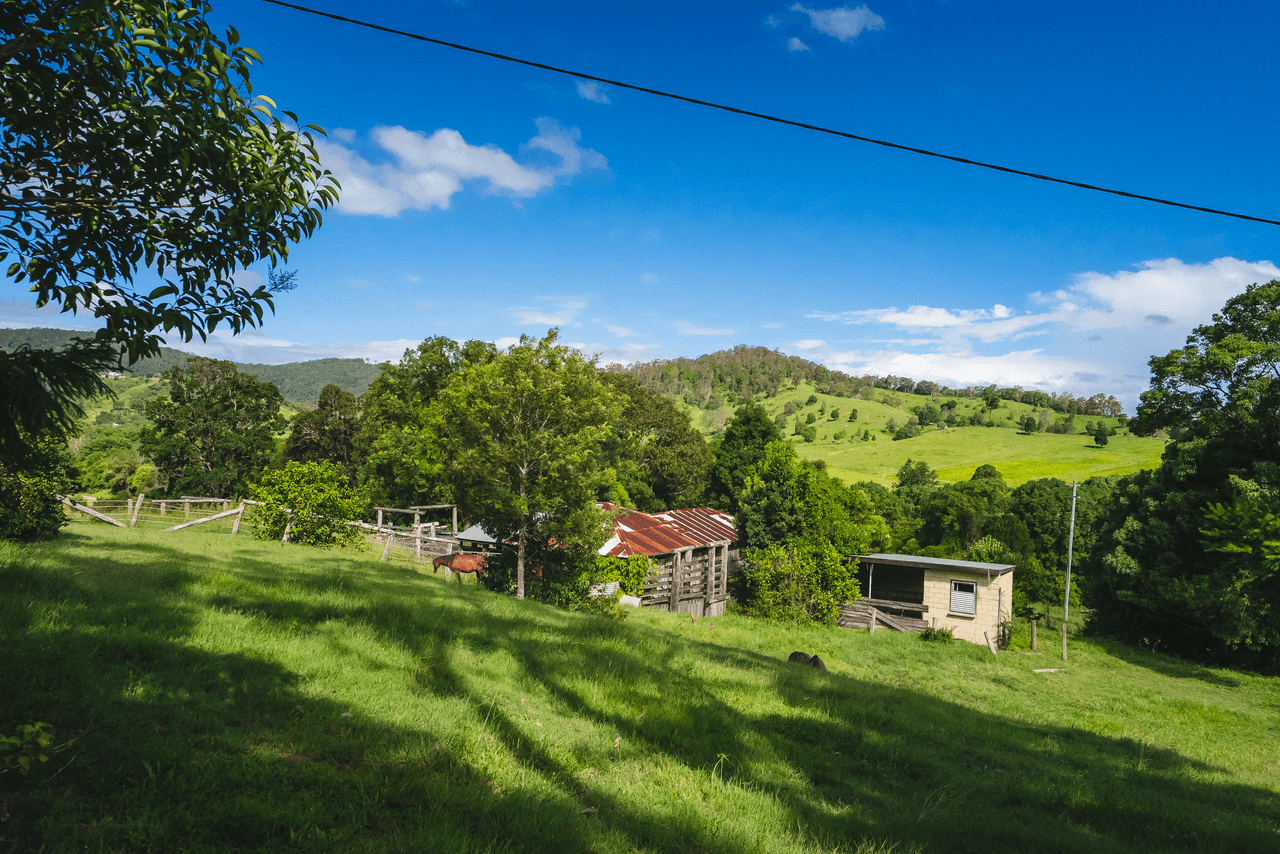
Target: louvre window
{"points": [[964, 597]]}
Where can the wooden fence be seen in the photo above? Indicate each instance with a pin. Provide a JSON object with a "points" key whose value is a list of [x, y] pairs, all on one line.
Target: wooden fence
{"points": [[872, 613], [690, 581]]}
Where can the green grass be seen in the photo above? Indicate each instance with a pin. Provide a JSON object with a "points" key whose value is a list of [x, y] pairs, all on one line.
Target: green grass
{"points": [[219, 694], [956, 452]]}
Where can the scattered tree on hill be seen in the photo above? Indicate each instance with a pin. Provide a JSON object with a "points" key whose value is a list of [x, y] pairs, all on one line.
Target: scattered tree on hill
{"points": [[522, 434], [215, 432], [129, 142]]}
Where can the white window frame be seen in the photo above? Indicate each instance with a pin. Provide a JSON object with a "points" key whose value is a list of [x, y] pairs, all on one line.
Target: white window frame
{"points": [[974, 592]]}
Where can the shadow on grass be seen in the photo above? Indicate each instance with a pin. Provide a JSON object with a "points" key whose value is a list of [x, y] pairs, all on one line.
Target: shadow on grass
{"points": [[177, 747], [1165, 665]]}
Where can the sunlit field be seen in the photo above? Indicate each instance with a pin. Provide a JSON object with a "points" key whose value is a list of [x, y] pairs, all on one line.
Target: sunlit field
{"points": [[210, 693]]}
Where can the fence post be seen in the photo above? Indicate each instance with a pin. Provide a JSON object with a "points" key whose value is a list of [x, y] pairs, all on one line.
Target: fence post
{"points": [[287, 526], [1064, 641], [417, 540], [872, 631], [1033, 635], [386, 552], [673, 603], [162, 507], [136, 507], [235, 528], [186, 509]]}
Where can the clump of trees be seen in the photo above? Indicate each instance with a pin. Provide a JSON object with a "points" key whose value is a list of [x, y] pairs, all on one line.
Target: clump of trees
{"points": [[1187, 559], [215, 432]]}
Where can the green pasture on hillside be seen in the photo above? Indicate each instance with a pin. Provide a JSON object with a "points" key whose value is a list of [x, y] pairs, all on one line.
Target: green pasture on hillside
{"points": [[1019, 457], [210, 693], [955, 451]]}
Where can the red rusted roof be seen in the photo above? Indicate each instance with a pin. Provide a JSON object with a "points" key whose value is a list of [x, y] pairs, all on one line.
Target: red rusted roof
{"points": [[636, 533]]}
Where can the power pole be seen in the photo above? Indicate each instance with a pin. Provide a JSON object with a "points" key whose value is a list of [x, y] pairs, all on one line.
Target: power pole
{"points": [[1066, 599]]}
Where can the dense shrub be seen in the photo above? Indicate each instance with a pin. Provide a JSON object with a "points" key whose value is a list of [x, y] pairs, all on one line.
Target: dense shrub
{"points": [[801, 581], [317, 498], [29, 508]]}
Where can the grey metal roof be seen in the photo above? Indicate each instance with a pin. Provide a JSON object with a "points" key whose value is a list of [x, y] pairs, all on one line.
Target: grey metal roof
{"points": [[939, 563], [476, 534]]}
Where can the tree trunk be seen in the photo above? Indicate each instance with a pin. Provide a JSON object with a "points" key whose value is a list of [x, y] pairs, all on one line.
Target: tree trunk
{"points": [[520, 561]]}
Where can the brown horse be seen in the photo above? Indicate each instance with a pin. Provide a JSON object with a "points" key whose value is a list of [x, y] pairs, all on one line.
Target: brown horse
{"points": [[460, 563]]}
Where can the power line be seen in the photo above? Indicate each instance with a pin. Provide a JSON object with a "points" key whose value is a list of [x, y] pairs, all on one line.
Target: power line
{"points": [[769, 118]]}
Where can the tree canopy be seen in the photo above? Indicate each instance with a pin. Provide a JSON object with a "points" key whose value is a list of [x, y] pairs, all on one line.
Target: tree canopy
{"points": [[131, 143], [1186, 559], [215, 432], [522, 433], [742, 447], [658, 458]]}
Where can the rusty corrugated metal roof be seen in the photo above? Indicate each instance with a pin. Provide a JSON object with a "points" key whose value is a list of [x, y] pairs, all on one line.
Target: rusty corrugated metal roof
{"points": [[636, 533]]}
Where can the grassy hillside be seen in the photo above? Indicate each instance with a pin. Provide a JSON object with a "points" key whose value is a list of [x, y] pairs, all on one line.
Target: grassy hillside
{"points": [[212, 694], [957, 451]]}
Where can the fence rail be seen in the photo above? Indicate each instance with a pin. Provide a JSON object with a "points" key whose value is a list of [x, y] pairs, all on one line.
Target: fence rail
{"points": [[693, 580]]}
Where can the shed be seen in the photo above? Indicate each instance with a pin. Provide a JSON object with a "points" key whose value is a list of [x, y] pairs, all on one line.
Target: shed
{"points": [[691, 555], [912, 592]]}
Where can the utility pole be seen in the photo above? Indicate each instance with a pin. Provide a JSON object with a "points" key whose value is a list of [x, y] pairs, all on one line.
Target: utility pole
{"points": [[1066, 599]]}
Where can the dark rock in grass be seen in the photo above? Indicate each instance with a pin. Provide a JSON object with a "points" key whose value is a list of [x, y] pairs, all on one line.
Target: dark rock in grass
{"points": [[799, 657]]}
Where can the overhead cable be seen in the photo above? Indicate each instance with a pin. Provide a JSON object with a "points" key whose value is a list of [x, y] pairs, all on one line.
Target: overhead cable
{"points": [[766, 117]]}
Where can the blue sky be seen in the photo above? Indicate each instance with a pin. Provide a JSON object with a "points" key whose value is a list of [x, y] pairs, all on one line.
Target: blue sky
{"points": [[488, 200]]}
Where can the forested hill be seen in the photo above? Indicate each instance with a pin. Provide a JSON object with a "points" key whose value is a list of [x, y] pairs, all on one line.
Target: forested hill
{"points": [[729, 377], [297, 381]]}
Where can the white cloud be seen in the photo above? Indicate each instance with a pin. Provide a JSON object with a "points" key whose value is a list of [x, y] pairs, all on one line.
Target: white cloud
{"points": [[621, 331], [593, 90], [1153, 308], [794, 44], [504, 343], [777, 324], [411, 277], [564, 313], [844, 23], [685, 328], [649, 277], [425, 172]]}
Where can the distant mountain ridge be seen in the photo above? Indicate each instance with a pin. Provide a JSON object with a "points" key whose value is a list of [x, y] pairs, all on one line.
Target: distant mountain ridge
{"points": [[298, 381]]}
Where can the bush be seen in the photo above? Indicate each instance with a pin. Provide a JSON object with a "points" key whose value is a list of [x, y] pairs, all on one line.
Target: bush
{"points": [[937, 634], [320, 501], [29, 508], [803, 581]]}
